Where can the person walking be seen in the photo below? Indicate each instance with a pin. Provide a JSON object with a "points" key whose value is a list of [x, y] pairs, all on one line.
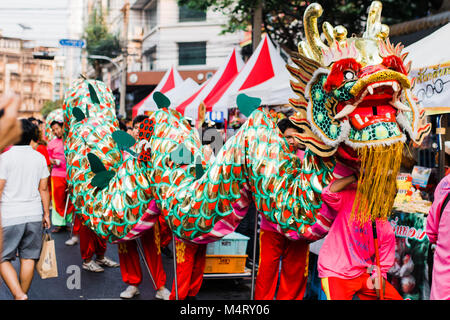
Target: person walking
{"points": [[25, 210], [438, 229], [60, 218]]}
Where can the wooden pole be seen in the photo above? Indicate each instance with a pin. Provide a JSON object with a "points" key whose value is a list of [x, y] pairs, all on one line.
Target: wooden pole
{"points": [[123, 82], [256, 25]]}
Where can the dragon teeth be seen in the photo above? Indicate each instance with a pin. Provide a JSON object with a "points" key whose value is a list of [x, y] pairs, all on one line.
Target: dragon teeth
{"points": [[346, 111]]}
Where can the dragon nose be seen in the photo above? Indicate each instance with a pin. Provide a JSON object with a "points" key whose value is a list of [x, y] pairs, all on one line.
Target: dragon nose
{"points": [[371, 69]]}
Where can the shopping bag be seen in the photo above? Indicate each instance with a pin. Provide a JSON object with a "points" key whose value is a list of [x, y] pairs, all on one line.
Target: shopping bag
{"points": [[46, 267]]}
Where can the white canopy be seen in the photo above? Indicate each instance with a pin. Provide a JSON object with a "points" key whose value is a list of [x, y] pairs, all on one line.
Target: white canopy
{"points": [[430, 58], [264, 76]]}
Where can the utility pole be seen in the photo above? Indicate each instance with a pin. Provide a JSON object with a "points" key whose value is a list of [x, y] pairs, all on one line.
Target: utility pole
{"points": [[123, 82], [256, 25]]}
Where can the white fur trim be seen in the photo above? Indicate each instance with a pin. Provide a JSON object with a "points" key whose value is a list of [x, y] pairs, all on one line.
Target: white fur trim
{"points": [[357, 145]]}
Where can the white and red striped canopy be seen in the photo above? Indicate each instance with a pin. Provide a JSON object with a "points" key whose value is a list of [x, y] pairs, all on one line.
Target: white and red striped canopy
{"points": [[264, 76], [169, 81], [210, 91]]}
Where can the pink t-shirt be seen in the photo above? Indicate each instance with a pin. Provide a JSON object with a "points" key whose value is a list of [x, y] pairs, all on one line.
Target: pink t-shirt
{"points": [[348, 250], [438, 231], [55, 150]]}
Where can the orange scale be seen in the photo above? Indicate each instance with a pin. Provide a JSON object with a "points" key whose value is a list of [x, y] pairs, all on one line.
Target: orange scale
{"points": [[237, 170], [215, 188], [176, 223], [192, 219], [286, 214], [212, 205], [197, 205]]}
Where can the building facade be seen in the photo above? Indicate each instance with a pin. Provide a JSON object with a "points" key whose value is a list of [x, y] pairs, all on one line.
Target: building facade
{"points": [[32, 79]]}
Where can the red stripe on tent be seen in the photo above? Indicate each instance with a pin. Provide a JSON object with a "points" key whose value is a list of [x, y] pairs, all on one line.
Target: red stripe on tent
{"points": [[170, 83], [135, 109], [224, 82], [213, 99], [182, 107], [262, 70]]}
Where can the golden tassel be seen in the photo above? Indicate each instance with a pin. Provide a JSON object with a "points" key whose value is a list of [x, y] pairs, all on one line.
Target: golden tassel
{"points": [[377, 185]]}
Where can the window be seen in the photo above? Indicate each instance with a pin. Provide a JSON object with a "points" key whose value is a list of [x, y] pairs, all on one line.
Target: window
{"points": [[149, 59], [151, 16], [191, 53], [186, 14]]}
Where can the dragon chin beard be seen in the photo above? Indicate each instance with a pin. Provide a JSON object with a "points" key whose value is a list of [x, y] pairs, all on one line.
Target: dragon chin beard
{"points": [[377, 185]]}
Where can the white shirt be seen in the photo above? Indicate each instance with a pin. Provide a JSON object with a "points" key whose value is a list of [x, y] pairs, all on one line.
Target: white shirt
{"points": [[22, 167]]}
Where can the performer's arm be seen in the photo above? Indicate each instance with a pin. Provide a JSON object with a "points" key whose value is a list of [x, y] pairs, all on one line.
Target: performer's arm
{"points": [[2, 186], [434, 216], [45, 197], [331, 193], [386, 238]]}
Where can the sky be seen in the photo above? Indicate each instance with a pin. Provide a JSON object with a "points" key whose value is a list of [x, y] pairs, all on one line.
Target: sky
{"points": [[48, 20]]}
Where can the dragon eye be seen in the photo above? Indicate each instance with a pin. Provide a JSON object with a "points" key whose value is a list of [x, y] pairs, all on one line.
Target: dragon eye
{"points": [[349, 75]]}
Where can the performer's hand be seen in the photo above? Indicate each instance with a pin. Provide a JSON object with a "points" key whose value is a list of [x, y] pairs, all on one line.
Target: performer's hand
{"points": [[375, 281], [10, 127]]}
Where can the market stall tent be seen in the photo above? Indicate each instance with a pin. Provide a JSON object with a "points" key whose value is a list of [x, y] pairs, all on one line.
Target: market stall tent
{"points": [[169, 81], [209, 92], [176, 95], [430, 58], [264, 76]]}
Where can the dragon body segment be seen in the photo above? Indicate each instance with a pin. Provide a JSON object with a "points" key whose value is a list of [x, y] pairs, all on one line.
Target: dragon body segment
{"points": [[354, 106]]}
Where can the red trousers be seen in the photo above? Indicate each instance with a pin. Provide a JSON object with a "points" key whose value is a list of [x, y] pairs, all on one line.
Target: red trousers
{"points": [[191, 259], [294, 267], [76, 224], [130, 265], [345, 289], [165, 232], [59, 196], [90, 243]]}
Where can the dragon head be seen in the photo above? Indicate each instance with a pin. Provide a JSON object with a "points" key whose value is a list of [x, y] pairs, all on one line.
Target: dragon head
{"points": [[354, 92], [354, 101]]}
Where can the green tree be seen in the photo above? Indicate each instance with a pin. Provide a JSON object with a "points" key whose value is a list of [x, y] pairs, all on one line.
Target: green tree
{"points": [[99, 41], [49, 106], [283, 19]]}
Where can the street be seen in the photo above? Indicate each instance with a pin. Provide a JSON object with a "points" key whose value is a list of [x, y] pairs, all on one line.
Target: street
{"points": [[74, 283]]}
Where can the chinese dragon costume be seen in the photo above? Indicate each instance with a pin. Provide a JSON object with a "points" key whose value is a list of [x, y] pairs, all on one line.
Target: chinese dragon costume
{"points": [[354, 106]]}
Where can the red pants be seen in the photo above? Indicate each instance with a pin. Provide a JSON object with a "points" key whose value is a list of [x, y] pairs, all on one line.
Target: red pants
{"points": [[345, 289], [76, 225], [130, 265], [294, 268], [190, 268], [165, 232], [90, 243], [59, 196]]}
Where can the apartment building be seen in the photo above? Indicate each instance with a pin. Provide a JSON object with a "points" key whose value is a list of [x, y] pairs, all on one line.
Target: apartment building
{"points": [[24, 75], [161, 34]]}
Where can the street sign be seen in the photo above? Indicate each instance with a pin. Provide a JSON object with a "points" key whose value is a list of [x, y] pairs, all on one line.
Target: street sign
{"points": [[72, 43]]}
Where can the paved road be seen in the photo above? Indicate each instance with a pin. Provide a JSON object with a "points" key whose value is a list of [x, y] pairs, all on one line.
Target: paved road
{"points": [[108, 285]]}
